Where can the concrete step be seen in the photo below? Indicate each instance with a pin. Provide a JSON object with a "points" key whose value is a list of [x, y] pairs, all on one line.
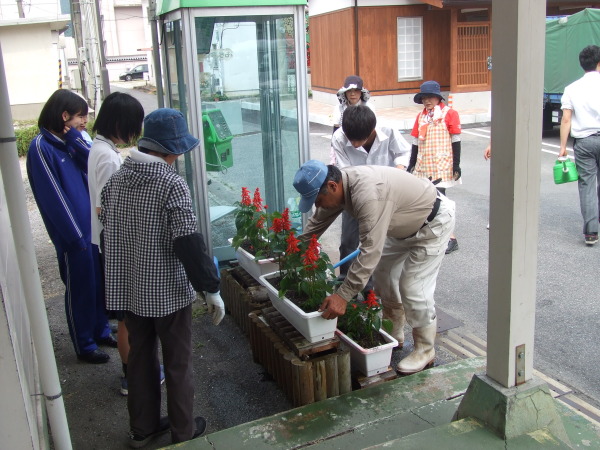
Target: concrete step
{"points": [[471, 434], [360, 418]]}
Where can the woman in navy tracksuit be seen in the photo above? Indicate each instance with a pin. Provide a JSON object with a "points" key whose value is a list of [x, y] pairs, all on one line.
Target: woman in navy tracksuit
{"points": [[57, 171]]}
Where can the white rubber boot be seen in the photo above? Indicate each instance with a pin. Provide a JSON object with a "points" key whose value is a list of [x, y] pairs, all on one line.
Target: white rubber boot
{"points": [[424, 351], [396, 315]]}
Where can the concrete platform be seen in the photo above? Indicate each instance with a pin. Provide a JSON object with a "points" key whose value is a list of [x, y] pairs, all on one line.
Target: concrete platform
{"points": [[413, 412]]}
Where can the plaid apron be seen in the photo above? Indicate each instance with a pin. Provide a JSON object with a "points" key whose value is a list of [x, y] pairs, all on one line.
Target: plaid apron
{"points": [[435, 151]]}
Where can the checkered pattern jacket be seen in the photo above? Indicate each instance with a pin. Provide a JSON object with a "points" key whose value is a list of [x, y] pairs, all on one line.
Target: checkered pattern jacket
{"points": [[145, 207]]}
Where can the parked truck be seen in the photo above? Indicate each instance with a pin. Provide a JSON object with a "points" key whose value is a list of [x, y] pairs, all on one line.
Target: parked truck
{"points": [[565, 38]]}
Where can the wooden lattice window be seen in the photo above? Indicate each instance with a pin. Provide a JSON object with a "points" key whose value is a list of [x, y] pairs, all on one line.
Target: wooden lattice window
{"points": [[473, 50]]}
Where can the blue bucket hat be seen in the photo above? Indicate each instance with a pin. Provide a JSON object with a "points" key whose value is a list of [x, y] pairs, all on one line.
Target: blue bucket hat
{"points": [[308, 181], [429, 88], [166, 131]]}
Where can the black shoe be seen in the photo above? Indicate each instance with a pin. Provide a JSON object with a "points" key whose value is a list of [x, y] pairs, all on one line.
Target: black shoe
{"points": [[452, 246], [139, 441], [108, 341], [200, 427], [95, 357], [591, 239]]}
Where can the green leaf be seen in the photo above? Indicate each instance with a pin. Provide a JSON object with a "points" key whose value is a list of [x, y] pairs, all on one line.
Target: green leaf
{"points": [[387, 325]]}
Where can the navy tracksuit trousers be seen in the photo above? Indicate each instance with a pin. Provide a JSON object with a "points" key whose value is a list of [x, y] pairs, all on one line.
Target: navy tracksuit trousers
{"points": [[81, 273]]}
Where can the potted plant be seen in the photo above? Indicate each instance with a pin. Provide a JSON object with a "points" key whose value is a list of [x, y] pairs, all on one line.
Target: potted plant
{"points": [[300, 285], [363, 332], [253, 249]]}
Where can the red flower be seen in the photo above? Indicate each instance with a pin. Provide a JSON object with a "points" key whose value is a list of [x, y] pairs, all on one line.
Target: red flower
{"points": [[371, 300], [246, 197], [287, 223], [260, 223], [311, 256], [281, 223], [257, 201], [277, 226], [292, 244]]}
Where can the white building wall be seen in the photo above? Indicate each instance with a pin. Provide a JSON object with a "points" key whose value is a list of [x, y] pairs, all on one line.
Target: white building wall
{"points": [[130, 30], [25, 85], [23, 423]]}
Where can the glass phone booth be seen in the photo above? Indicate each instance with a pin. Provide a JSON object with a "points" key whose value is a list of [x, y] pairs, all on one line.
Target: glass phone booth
{"points": [[238, 73]]}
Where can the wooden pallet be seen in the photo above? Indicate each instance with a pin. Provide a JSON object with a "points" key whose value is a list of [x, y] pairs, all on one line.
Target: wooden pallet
{"points": [[321, 376], [360, 381], [242, 294], [292, 337]]}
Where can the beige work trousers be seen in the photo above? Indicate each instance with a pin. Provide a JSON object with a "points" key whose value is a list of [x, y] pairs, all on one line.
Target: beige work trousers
{"points": [[407, 271]]}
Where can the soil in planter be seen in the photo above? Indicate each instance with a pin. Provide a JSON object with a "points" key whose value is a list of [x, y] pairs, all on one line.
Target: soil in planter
{"points": [[363, 341], [297, 298], [246, 245]]}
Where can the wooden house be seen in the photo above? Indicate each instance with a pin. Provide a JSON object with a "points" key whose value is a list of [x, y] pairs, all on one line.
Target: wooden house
{"points": [[395, 45]]}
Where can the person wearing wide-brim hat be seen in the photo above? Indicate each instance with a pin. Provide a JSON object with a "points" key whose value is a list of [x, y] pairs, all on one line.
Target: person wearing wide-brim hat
{"points": [[155, 260], [351, 93], [436, 145]]}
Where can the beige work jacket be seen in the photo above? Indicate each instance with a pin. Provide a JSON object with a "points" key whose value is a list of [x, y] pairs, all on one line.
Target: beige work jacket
{"points": [[386, 202]]}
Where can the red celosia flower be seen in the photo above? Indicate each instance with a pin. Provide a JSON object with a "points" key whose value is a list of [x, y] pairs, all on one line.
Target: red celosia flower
{"points": [[292, 244], [311, 256], [257, 201], [246, 197], [371, 300]]}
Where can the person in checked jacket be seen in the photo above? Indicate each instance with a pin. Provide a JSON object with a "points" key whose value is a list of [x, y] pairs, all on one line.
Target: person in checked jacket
{"points": [[155, 260]]}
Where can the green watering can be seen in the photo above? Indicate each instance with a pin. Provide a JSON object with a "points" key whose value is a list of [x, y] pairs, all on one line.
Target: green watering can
{"points": [[565, 171]]}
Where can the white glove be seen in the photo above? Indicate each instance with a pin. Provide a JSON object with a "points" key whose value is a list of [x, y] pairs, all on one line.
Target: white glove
{"points": [[216, 307]]}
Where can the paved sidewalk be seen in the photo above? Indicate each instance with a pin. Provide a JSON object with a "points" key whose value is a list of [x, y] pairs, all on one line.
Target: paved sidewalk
{"points": [[401, 118]]}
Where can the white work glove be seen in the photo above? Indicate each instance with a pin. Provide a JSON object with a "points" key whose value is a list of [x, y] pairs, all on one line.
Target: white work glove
{"points": [[216, 307]]}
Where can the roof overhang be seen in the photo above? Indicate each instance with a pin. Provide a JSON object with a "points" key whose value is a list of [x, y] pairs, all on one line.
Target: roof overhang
{"points": [[58, 23], [165, 6]]}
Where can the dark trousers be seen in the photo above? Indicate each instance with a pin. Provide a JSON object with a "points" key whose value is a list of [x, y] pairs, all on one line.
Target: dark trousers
{"points": [[348, 243], [587, 160], [143, 372], [81, 273]]}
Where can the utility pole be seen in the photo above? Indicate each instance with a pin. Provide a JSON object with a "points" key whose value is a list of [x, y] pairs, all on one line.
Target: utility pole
{"points": [[77, 34], [156, 53], [105, 91], [20, 8]]}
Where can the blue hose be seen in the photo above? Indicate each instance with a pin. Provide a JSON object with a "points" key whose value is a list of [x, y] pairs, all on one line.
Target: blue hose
{"points": [[351, 256]]}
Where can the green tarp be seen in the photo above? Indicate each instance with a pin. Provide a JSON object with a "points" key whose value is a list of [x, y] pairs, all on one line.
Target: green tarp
{"points": [[565, 38]]}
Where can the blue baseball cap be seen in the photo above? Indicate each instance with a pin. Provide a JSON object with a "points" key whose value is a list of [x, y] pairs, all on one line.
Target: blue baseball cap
{"points": [[166, 131], [308, 182]]}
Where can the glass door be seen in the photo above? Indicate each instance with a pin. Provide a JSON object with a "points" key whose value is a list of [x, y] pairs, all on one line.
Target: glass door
{"points": [[247, 84]]}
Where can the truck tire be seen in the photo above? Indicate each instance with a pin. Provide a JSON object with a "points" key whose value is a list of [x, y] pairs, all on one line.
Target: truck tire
{"points": [[547, 119]]}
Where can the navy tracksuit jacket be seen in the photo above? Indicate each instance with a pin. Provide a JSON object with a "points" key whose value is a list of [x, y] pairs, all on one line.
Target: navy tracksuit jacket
{"points": [[57, 174]]}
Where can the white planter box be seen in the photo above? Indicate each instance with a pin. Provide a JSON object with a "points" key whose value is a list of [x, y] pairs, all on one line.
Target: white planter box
{"points": [[369, 361], [255, 267], [311, 325]]}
